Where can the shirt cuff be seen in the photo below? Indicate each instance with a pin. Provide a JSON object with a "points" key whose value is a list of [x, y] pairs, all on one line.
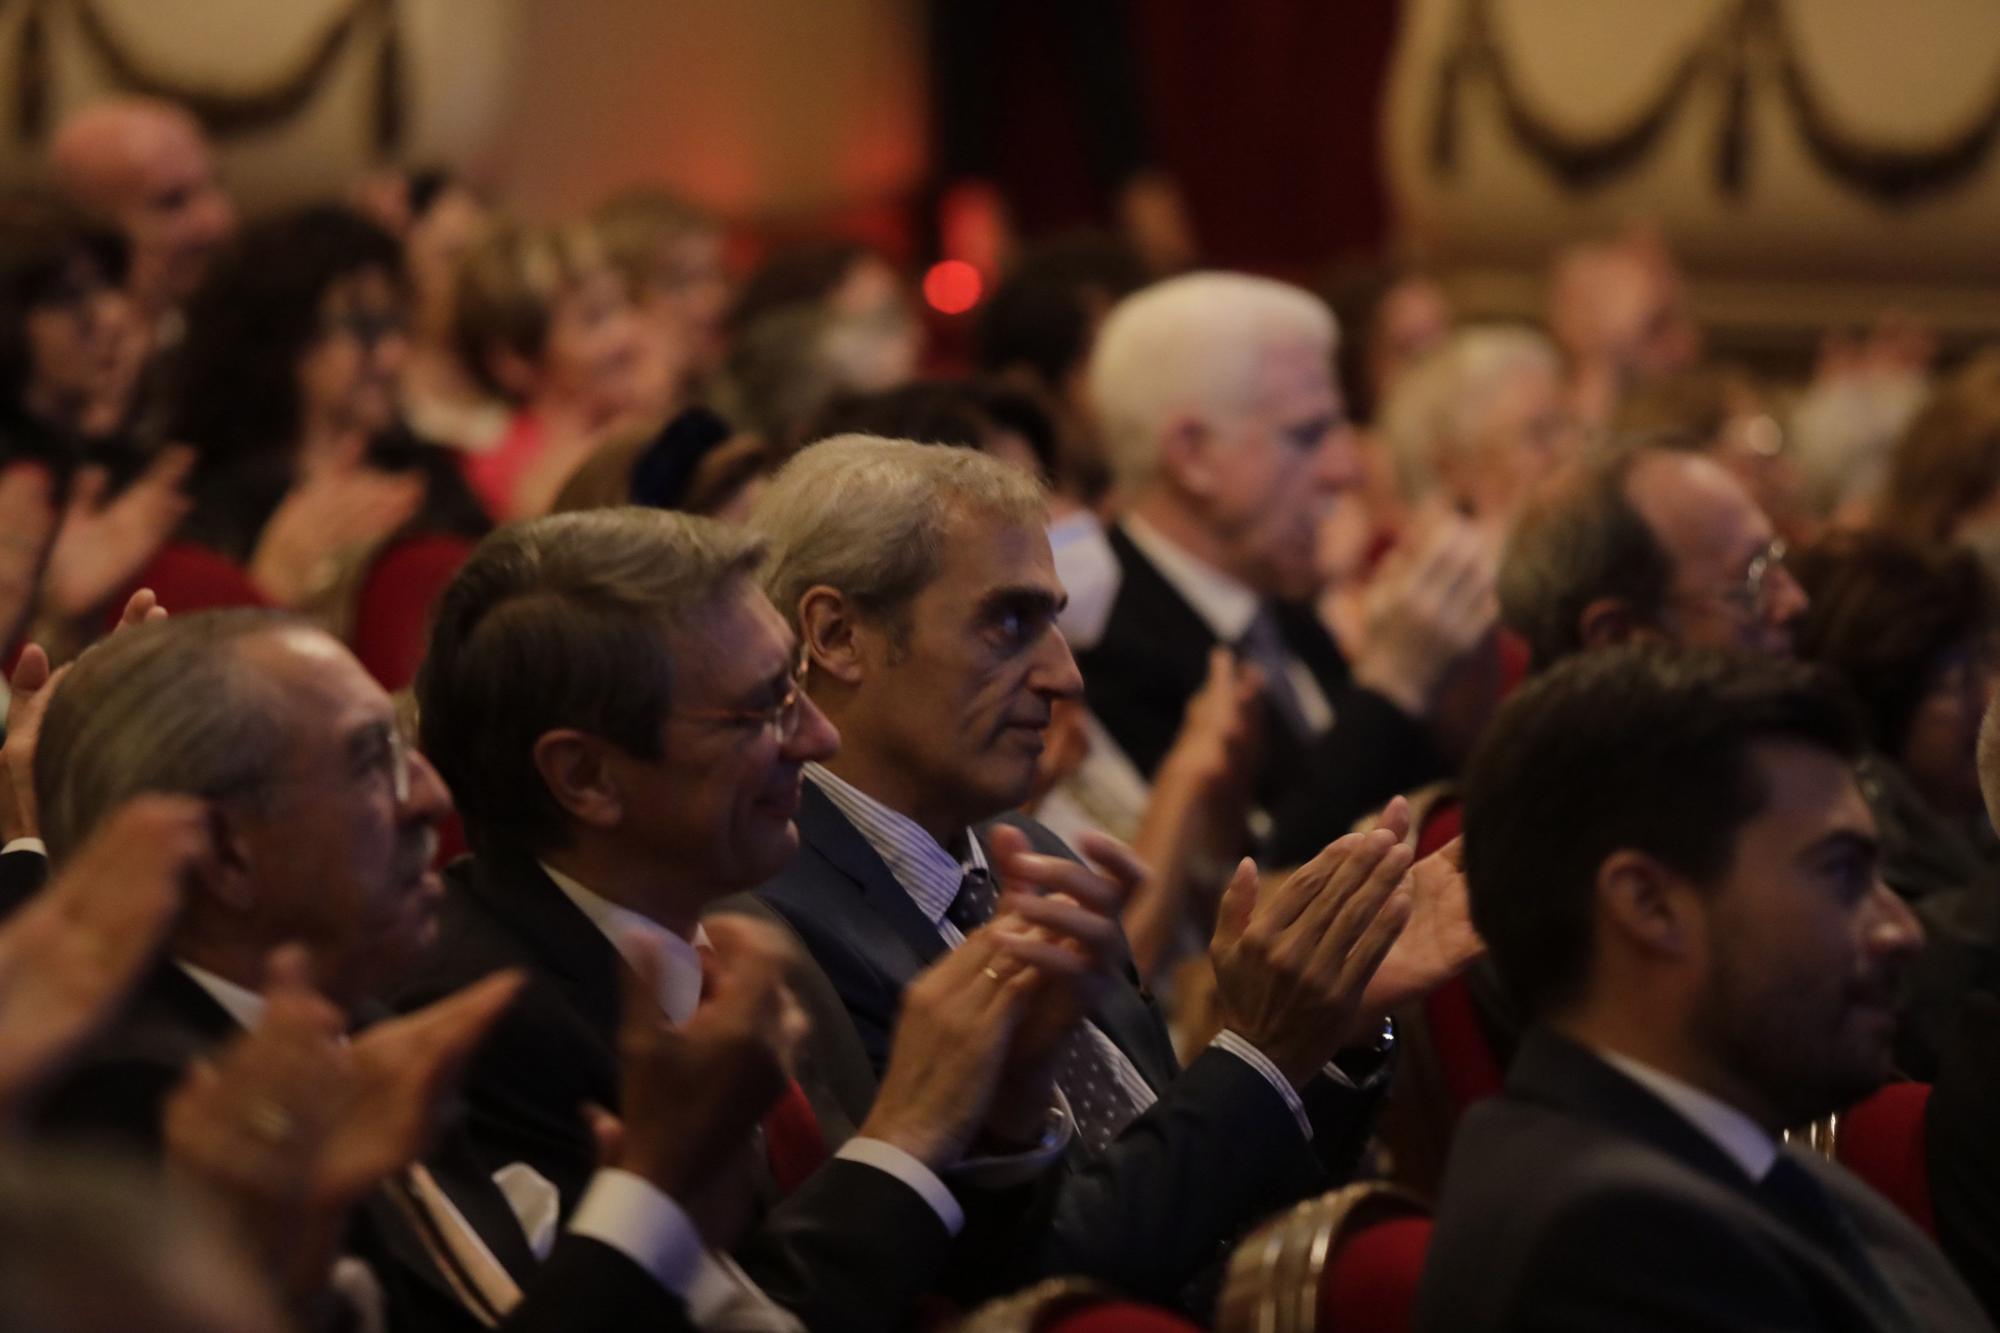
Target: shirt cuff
{"points": [[889, 1158], [1004, 1170], [636, 1218], [1241, 1048], [25, 845]]}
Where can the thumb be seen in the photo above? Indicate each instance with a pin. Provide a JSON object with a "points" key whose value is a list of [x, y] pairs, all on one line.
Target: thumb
{"points": [[1238, 900], [31, 672], [607, 1131]]}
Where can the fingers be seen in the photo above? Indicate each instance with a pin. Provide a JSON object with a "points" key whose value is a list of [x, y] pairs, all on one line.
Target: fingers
{"points": [[1395, 817], [1031, 874], [732, 936], [31, 672], [1097, 933], [1239, 900], [86, 490], [169, 469], [1366, 956], [1373, 871], [1362, 907], [1114, 860], [140, 607], [1275, 911]]}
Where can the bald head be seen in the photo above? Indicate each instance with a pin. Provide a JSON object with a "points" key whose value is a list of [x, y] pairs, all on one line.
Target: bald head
{"points": [[145, 165]]}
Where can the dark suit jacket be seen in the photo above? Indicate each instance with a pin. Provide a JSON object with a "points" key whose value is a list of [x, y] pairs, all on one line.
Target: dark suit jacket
{"points": [[851, 1248], [1964, 1151], [1216, 1153], [1153, 657], [117, 1094], [1578, 1200]]}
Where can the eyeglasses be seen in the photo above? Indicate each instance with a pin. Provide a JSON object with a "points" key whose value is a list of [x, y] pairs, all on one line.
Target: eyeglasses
{"points": [[375, 756], [393, 761], [781, 719], [367, 327], [1749, 594]]}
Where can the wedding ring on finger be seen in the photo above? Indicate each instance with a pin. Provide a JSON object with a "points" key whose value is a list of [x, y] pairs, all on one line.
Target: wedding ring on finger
{"points": [[269, 1122]]}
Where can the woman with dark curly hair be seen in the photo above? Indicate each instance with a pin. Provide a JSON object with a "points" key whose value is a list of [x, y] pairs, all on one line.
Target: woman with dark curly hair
{"points": [[286, 385]]}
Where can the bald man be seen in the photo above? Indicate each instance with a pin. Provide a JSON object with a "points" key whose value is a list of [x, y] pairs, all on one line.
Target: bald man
{"points": [[145, 165]]}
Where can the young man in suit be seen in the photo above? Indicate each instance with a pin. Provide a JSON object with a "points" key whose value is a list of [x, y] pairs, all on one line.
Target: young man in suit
{"points": [[616, 705], [1675, 871], [922, 586], [1216, 397], [323, 826]]}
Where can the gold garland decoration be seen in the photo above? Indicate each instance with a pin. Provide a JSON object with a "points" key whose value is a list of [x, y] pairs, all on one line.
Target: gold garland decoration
{"points": [[1750, 42], [223, 112]]}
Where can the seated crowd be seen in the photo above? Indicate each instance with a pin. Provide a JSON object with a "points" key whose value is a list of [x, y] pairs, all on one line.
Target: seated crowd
{"points": [[548, 788]]}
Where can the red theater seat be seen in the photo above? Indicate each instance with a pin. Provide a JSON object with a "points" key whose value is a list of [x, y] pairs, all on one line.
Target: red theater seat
{"points": [[1346, 1262], [1881, 1140]]}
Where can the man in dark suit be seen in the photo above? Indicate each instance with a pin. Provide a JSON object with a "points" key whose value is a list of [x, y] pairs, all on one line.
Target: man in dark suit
{"points": [[1222, 419], [1675, 871], [925, 597], [596, 812], [323, 827]]}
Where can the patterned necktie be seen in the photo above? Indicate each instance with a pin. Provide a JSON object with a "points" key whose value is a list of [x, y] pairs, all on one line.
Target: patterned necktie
{"points": [[1263, 646], [1101, 1106]]}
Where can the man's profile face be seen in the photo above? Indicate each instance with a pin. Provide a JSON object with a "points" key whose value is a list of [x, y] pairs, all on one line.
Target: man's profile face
{"points": [[717, 805], [338, 847], [174, 210], [1805, 943], [964, 699], [1727, 591], [1277, 465]]}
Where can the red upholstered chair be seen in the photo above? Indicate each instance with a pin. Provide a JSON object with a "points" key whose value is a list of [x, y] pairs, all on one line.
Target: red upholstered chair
{"points": [[1346, 1262], [1070, 1305], [1471, 1071], [1881, 1140]]}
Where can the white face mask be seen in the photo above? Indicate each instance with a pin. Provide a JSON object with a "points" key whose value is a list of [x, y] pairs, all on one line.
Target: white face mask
{"points": [[1088, 569]]}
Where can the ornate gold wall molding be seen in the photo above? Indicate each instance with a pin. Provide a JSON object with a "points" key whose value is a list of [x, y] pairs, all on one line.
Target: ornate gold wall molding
{"points": [[1750, 46]]}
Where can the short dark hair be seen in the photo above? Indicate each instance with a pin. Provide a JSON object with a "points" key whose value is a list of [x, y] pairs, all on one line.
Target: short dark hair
{"points": [[1580, 538], [1884, 613], [1639, 747], [561, 621]]}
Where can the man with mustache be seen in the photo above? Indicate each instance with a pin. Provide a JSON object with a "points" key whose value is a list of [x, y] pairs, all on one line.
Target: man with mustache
{"points": [[1675, 871]]}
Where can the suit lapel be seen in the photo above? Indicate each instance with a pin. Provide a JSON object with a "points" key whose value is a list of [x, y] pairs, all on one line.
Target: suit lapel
{"points": [[518, 892], [892, 916]]}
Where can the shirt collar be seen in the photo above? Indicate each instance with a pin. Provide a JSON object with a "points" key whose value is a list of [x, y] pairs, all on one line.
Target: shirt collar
{"points": [[1224, 604], [1735, 1133], [680, 978], [928, 873], [239, 1002]]}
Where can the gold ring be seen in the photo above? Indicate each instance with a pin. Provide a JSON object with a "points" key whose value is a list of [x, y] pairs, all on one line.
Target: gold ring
{"points": [[991, 972], [267, 1120]]}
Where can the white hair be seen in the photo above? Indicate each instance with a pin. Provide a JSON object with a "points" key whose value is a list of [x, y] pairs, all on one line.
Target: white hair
{"points": [[1191, 344], [1438, 405]]}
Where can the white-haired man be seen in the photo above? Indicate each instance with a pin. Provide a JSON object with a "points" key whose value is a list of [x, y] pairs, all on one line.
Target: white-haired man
{"points": [[1479, 420], [1228, 436]]}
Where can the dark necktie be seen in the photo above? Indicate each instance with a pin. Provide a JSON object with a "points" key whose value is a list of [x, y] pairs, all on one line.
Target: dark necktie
{"points": [[1264, 647], [1791, 1191], [1099, 1102]]}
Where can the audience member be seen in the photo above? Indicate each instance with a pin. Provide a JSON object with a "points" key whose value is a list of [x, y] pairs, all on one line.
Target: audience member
{"points": [[671, 254], [594, 815], [1620, 312], [1944, 476], [441, 398], [1911, 632], [1643, 543], [323, 825], [145, 165], [1478, 421], [1672, 862], [924, 596], [1216, 398], [544, 322], [694, 463]]}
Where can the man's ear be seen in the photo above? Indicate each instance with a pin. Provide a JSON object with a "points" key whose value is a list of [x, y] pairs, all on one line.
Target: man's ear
{"points": [[832, 634], [574, 767], [230, 878], [1609, 621], [1187, 455], [1654, 910]]}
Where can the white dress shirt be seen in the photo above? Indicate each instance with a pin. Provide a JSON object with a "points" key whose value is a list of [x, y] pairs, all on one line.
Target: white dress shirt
{"points": [[1742, 1138], [619, 1209]]}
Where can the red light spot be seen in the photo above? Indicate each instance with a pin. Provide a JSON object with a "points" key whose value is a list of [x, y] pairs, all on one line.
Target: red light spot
{"points": [[952, 287]]}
